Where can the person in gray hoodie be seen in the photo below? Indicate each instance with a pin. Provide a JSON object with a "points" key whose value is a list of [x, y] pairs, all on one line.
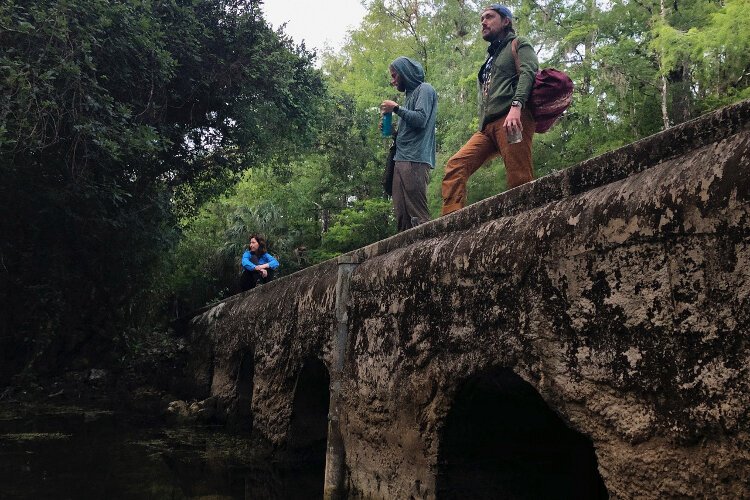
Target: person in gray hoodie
{"points": [[415, 141]]}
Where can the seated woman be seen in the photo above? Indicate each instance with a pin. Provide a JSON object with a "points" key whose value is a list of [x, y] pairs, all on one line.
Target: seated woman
{"points": [[258, 266]]}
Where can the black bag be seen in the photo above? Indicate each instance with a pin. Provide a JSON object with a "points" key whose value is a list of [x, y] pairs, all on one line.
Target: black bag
{"points": [[390, 165]]}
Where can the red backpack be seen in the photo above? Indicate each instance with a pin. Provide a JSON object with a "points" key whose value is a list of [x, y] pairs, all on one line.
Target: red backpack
{"points": [[551, 95]]}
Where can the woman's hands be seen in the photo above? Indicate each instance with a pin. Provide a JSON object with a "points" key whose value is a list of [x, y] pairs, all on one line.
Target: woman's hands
{"points": [[262, 270]]}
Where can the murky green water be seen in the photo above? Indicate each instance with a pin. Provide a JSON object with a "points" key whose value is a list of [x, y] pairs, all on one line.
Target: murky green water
{"points": [[68, 452]]}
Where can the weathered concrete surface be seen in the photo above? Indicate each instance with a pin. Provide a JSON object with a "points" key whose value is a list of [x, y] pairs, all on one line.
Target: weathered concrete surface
{"points": [[292, 319], [619, 289]]}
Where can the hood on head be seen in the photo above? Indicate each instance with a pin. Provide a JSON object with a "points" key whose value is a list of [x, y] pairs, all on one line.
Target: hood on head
{"points": [[411, 72]]}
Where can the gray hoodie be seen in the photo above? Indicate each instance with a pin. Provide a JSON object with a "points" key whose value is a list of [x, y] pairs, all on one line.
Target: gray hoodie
{"points": [[416, 129]]}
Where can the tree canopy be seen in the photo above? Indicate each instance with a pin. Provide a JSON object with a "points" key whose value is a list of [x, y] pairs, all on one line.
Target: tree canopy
{"points": [[141, 141], [116, 118]]}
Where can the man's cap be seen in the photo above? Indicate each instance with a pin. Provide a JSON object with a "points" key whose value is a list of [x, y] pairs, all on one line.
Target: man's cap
{"points": [[500, 9]]}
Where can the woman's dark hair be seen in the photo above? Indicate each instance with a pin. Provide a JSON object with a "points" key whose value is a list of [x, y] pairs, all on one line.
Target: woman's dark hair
{"points": [[261, 244]]}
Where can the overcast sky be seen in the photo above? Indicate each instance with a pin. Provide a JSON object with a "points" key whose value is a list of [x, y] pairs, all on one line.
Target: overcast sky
{"points": [[316, 21]]}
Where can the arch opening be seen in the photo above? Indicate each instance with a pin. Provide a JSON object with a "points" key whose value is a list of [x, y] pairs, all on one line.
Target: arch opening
{"points": [[242, 418], [308, 430], [501, 440]]}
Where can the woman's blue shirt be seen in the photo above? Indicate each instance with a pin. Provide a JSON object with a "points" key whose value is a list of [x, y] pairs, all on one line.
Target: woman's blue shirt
{"points": [[266, 258]]}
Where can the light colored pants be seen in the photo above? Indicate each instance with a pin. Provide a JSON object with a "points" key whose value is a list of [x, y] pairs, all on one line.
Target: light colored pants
{"points": [[483, 146], [410, 181]]}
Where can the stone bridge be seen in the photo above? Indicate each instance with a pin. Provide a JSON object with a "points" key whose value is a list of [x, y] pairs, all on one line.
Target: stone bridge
{"points": [[584, 335]]}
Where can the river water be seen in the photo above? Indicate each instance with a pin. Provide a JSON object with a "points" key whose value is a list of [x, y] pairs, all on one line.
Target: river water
{"points": [[72, 452]]}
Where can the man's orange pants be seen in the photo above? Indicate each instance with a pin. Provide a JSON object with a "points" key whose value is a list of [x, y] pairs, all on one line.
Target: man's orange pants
{"points": [[483, 146]]}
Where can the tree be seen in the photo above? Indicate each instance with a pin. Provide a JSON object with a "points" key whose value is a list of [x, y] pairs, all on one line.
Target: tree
{"points": [[366, 222], [115, 117]]}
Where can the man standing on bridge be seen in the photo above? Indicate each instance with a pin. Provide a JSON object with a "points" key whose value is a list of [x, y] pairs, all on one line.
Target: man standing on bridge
{"points": [[505, 123], [415, 142]]}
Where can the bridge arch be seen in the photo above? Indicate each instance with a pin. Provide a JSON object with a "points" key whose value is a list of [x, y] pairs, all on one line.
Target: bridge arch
{"points": [[308, 427], [501, 440], [245, 388]]}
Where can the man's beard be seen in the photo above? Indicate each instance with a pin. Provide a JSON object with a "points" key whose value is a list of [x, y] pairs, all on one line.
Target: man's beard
{"points": [[502, 34]]}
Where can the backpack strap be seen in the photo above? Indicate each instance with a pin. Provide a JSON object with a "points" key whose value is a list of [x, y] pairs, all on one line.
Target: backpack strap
{"points": [[514, 50]]}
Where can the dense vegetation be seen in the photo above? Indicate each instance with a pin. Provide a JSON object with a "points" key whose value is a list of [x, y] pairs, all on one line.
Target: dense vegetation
{"points": [[142, 140]]}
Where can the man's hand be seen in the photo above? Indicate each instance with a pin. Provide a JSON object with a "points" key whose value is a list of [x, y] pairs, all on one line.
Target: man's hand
{"points": [[387, 106], [513, 120]]}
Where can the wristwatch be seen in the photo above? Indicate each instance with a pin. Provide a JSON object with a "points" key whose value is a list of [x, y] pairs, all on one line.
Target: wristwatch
{"points": [[516, 104]]}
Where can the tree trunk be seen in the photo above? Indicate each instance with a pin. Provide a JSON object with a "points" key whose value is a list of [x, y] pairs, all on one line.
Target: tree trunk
{"points": [[588, 56], [663, 89]]}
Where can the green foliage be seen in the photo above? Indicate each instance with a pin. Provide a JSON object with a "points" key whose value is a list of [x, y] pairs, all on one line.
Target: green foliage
{"points": [[715, 54], [616, 52], [364, 223], [142, 141], [115, 117], [294, 204]]}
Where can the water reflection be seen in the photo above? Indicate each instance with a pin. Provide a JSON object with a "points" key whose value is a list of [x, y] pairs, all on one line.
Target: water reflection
{"points": [[70, 452]]}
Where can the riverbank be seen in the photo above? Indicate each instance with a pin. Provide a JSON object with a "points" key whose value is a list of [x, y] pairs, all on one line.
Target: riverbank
{"points": [[80, 450]]}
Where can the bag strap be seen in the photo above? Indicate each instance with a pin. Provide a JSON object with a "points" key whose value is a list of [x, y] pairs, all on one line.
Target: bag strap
{"points": [[514, 50]]}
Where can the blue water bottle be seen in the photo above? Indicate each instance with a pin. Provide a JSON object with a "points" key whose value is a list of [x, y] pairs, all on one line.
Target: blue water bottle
{"points": [[387, 122]]}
